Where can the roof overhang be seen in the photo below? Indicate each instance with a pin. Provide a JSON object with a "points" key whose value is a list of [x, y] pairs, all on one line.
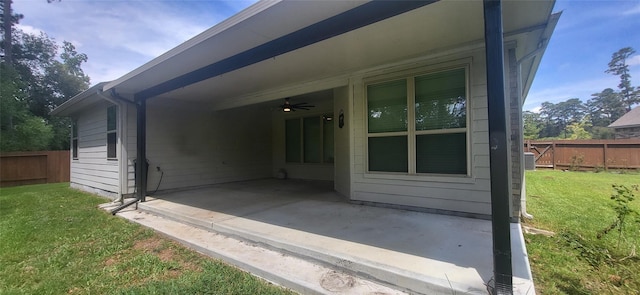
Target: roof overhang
{"points": [[80, 101], [629, 120], [325, 41]]}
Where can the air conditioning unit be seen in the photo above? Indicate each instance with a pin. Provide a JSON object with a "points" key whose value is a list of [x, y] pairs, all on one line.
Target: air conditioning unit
{"points": [[529, 161]]}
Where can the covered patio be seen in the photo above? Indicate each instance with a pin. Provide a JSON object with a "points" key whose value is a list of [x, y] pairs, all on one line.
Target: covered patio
{"points": [[405, 250]]}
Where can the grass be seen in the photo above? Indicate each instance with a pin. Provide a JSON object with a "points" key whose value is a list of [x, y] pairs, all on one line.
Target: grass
{"points": [[54, 240], [577, 206]]}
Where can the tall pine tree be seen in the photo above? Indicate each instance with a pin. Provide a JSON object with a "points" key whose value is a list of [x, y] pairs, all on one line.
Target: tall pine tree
{"points": [[618, 66]]}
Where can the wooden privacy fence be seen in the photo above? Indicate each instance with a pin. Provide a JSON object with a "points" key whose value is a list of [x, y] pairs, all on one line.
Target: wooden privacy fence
{"points": [[20, 168], [586, 154]]}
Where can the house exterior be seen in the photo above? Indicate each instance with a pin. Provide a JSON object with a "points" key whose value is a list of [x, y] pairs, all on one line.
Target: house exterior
{"points": [[627, 126], [399, 90]]}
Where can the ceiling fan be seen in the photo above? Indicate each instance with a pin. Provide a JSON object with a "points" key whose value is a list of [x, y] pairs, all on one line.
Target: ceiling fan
{"points": [[289, 107]]}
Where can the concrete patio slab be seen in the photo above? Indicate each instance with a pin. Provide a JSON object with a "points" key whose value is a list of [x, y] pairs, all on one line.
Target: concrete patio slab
{"points": [[409, 251]]}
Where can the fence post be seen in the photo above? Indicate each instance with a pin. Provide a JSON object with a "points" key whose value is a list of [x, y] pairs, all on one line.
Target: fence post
{"points": [[604, 155], [553, 155]]}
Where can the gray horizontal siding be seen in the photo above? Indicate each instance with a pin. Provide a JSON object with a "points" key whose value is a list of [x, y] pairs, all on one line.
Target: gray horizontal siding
{"points": [[92, 169]]}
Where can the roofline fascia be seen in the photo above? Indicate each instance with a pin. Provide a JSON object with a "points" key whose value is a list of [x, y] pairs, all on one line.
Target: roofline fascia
{"points": [[624, 126], [355, 18], [539, 52], [77, 99]]}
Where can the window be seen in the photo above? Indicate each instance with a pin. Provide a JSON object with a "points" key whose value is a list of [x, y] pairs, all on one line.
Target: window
{"points": [[112, 136], [309, 140], [418, 124], [74, 139]]}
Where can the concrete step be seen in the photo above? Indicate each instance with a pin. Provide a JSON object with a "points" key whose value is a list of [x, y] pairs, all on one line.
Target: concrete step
{"points": [[355, 266], [300, 275]]}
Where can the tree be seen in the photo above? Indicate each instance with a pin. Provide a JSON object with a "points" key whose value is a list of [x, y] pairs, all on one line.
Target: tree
{"points": [[532, 125], [605, 107], [578, 130], [8, 19], [556, 117], [618, 66], [19, 129], [39, 81]]}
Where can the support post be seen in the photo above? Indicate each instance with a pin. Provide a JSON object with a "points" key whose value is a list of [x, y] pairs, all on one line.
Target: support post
{"points": [[141, 148], [553, 154], [500, 211], [604, 157]]}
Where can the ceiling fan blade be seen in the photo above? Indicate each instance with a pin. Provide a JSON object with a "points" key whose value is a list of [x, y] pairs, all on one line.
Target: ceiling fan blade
{"points": [[302, 104], [293, 106]]}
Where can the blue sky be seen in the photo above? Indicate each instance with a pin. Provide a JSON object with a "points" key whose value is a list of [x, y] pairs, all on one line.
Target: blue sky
{"points": [[118, 36], [588, 33]]}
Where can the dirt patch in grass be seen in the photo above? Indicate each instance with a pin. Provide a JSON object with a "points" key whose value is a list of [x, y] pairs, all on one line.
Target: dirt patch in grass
{"points": [[166, 251], [111, 261], [151, 244]]}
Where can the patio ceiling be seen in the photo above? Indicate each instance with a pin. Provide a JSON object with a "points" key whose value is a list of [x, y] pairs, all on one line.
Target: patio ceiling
{"points": [[439, 26]]}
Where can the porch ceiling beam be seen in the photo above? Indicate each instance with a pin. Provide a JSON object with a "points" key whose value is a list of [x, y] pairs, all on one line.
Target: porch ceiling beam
{"points": [[347, 21], [498, 148]]}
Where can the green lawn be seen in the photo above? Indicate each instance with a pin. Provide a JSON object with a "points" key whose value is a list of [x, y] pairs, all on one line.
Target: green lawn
{"points": [[54, 240], [577, 206]]}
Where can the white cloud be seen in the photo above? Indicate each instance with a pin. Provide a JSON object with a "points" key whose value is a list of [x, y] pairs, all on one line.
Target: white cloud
{"points": [[29, 29], [634, 60], [633, 11], [580, 89], [119, 36], [536, 109]]}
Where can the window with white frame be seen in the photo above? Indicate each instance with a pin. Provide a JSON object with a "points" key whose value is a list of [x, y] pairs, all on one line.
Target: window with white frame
{"points": [[418, 124], [112, 135], [309, 140], [74, 139]]}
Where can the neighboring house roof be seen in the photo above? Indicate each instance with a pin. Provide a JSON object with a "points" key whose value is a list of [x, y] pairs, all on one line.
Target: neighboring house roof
{"points": [[630, 119], [275, 49]]}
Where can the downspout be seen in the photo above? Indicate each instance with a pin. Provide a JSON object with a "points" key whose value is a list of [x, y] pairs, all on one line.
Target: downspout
{"points": [[141, 180], [119, 101], [498, 149], [523, 189], [141, 186], [548, 27], [100, 93]]}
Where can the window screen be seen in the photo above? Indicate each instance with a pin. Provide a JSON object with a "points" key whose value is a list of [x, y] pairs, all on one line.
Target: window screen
{"points": [[439, 117], [312, 140], [112, 136], [293, 139], [74, 139], [111, 145], [388, 154], [309, 140], [387, 106], [441, 153], [441, 101], [327, 140]]}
